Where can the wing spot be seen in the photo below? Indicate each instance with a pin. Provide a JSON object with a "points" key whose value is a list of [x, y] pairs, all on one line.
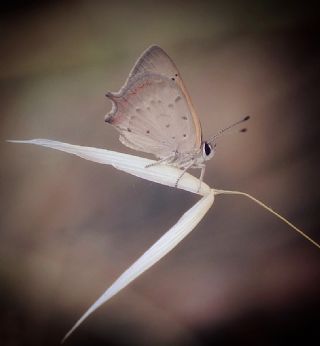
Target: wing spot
{"points": [[138, 110], [168, 125], [177, 99], [184, 135], [173, 137], [176, 74], [184, 118], [148, 131], [128, 129], [173, 78]]}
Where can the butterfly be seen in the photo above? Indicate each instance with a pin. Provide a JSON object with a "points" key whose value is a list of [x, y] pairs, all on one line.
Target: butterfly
{"points": [[154, 114]]}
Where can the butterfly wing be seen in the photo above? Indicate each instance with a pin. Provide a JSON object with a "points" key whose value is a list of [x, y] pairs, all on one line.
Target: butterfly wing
{"points": [[153, 111], [155, 60]]}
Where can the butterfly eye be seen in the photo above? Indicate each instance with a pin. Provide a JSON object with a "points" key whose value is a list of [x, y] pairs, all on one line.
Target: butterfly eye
{"points": [[207, 151]]}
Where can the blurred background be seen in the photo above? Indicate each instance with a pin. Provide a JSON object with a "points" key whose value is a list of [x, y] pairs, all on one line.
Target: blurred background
{"points": [[70, 227]]}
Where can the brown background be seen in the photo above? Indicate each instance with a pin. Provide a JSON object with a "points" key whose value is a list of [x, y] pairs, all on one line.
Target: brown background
{"points": [[69, 227]]}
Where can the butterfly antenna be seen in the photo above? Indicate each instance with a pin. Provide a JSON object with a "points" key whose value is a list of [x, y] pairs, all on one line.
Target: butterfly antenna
{"points": [[229, 128]]}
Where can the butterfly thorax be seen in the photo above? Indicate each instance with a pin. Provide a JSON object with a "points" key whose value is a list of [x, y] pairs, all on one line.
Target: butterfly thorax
{"points": [[195, 159]]}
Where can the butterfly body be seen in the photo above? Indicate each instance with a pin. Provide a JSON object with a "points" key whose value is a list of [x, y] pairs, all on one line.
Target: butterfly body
{"points": [[154, 114]]}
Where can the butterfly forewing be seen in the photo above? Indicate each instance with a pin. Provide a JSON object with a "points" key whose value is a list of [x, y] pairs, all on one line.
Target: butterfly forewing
{"points": [[153, 111], [155, 60]]}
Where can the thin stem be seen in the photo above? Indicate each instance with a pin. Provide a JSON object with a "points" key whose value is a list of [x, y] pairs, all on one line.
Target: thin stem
{"points": [[226, 192]]}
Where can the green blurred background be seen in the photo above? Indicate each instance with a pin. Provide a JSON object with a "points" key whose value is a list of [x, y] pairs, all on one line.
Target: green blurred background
{"points": [[69, 227]]}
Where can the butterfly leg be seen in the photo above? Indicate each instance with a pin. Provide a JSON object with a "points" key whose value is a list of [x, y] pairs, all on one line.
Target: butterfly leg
{"points": [[183, 172], [167, 160], [203, 168]]}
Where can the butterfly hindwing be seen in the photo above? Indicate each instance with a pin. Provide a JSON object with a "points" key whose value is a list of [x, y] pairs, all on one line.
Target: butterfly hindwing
{"points": [[152, 115]]}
